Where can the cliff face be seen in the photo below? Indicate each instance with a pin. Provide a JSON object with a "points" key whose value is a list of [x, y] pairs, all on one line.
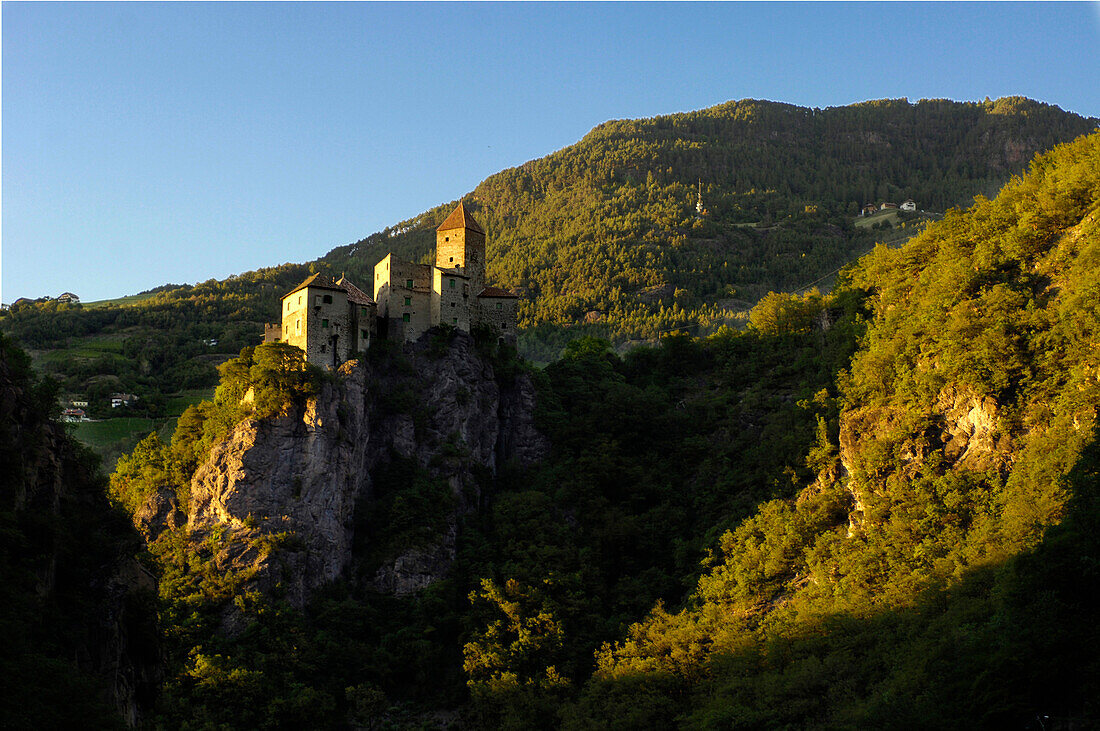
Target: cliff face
{"points": [[78, 624], [292, 492]]}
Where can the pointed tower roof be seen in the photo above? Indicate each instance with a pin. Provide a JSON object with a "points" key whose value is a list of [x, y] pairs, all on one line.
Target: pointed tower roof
{"points": [[461, 218]]}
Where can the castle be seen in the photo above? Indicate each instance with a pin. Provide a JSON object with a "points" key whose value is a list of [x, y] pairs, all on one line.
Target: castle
{"points": [[331, 320]]}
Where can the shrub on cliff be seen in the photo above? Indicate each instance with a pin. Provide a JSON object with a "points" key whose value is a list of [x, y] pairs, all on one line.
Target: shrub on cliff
{"points": [[258, 384]]}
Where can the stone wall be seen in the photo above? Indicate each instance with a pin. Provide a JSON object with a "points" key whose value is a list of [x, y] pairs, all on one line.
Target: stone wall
{"points": [[451, 300], [403, 292], [362, 326], [499, 313]]}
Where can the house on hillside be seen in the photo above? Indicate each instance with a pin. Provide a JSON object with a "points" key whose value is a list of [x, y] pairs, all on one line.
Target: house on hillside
{"points": [[122, 399], [68, 297], [869, 210], [909, 205], [888, 206], [72, 416]]}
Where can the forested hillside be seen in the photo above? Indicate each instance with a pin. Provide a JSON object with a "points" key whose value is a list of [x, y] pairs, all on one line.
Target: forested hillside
{"points": [[602, 237], [609, 225], [940, 569], [875, 508], [76, 609]]}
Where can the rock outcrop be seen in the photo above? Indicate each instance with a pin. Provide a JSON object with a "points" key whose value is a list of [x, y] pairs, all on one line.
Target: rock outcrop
{"points": [[963, 428], [300, 481], [969, 427]]}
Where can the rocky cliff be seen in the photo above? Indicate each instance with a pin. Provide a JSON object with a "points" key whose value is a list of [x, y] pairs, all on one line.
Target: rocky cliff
{"points": [[78, 624], [303, 498]]}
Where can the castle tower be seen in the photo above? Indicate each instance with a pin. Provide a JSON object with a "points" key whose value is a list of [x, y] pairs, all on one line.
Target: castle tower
{"points": [[460, 246]]}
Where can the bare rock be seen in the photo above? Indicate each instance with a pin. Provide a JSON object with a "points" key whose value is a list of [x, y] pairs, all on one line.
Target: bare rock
{"points": [[293, 482], [159, 512], [418, 567], [969, 426]]}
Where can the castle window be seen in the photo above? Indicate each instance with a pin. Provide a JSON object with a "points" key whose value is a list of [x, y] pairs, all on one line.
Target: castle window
{"points": [[452, 304], [327, 299], [409, 283], [363, 334], [286, 330], [408, 301], [405, 317], [299, 299], [362, 310], [452, 283], [324, 323], [503, 326], [298, 326], [451, 259], [500, 306], [322, 348], [454, 320]]}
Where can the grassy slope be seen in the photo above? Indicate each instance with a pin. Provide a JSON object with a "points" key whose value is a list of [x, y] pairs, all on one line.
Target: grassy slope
{"points": [[111, 438]]}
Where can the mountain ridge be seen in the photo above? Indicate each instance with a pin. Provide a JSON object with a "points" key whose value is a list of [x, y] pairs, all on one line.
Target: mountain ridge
{"points": [[603, 237]]}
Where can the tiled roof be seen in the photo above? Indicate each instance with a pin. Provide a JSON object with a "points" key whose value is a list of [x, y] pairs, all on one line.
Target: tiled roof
{"points": [[497, 292], [461, 218], [318, 281], [355, 295]]}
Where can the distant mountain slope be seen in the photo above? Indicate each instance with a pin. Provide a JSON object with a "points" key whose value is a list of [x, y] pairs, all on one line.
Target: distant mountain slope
{"points": [[610, 224], [602, 237]]}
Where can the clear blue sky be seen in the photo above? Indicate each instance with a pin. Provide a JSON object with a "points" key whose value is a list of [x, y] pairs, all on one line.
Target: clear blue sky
{"points": [[154, 143]]}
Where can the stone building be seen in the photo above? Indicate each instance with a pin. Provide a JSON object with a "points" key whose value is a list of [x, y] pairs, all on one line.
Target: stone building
{"points": [[330, 320], [333, 320], [404, 292], [414, 297]]}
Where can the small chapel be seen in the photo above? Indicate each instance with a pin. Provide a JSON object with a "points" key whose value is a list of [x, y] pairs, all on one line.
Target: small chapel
{"points": [[332, 320]]}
